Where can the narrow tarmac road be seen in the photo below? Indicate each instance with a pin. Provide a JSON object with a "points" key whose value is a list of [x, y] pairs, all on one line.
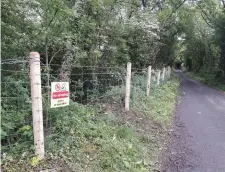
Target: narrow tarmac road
{"points": [[198, 140]]}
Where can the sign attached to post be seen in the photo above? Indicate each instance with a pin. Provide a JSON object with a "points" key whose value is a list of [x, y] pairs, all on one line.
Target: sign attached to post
{"points": [[59, 94]]}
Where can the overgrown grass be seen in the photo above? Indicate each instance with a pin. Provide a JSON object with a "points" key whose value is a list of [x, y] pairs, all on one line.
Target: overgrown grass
{"points": [[161, 102], [209, 79], [88, 139]]}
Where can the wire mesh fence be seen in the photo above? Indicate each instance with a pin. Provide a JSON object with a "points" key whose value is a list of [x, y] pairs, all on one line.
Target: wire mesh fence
{"points": [[16, 112], [92, 90]]}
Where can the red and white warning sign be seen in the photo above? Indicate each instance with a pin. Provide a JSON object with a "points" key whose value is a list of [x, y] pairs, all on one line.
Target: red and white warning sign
{"points": [[59, 94]]}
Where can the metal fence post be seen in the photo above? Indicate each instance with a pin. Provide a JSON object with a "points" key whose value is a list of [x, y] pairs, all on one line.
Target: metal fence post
{"points": [[149, 80], [128, 82], [37, 111]]}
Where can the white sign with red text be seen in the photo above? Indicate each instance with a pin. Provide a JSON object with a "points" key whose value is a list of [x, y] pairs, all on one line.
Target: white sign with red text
{"points": [[59, 94]]}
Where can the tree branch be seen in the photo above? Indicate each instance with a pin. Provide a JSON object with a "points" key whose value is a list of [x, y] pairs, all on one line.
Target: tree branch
{"points": [[54, 56], [52, 18], [143, 3], [207, 22], [209, 19], [49, 22], [175, 10], [223, 2]]}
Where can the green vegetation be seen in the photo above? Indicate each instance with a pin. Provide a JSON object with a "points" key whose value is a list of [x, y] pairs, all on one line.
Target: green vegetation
{"points": [[161, 104], [208, 79], [201, 47], [96, 139], [88, 42]]}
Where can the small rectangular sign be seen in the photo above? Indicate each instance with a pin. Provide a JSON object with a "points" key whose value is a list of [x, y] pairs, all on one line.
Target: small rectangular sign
{"points": [[60, 94]]}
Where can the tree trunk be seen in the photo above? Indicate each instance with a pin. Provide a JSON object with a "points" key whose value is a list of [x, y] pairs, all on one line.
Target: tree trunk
{"points": [[66, 67]]}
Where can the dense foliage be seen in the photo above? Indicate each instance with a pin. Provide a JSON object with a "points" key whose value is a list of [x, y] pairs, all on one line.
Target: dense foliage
{"points": [[88, 32], [202, 38], [73, 33], [95, 32], [99, 33]]}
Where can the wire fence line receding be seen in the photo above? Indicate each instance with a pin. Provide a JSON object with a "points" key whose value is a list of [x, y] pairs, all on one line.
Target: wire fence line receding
{"points": [[93, 87]]}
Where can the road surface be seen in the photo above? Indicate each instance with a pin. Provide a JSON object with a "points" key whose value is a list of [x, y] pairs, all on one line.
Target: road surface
{"points": [[198, 139]]}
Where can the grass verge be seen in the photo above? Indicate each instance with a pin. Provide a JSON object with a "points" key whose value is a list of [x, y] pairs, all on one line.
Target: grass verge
{"points": [[209, 80], [104, 138], [161, 103]]}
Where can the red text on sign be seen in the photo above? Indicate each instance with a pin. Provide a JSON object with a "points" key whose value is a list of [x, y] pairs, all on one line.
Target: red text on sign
{"points": [[60, 95]]}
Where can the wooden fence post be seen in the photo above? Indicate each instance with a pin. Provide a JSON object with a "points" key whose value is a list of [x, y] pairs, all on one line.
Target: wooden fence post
{"points": [[166, 73], [36, 96], [169, 71], [163, 74], [128, 82], [149, 80], [158, 78]]}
